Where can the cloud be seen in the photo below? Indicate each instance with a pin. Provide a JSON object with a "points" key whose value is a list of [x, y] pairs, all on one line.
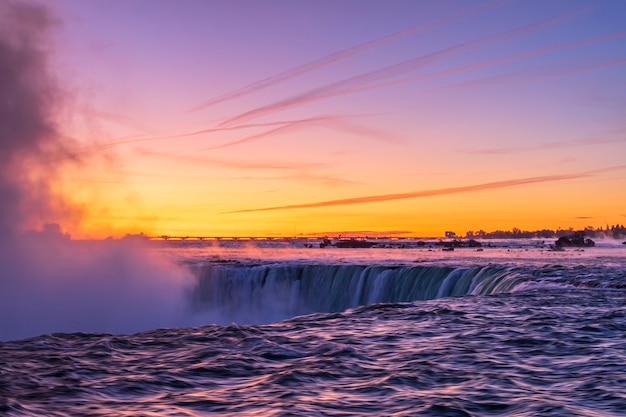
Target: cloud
{"points": [[339, 122], [364, 81], [456, 16], [326, 180], [546, 146], [335, 120], [253, 164], [517, 77], [298, 171], [116, 118], [128, 140], [435, 192], [296, 124], [527, 75]]}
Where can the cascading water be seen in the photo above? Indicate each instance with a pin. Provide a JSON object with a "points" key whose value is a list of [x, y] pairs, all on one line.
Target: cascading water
{"points": [[266, 293]]}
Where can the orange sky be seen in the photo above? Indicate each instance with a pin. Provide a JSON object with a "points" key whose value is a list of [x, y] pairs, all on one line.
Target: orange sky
{"points": [[249, 118]]}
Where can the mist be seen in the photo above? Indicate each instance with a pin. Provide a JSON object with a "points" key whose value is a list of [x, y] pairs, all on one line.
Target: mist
{"points": [[49, 282]]}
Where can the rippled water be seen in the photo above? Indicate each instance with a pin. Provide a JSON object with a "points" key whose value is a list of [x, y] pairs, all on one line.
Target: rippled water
{"points": [[552, 341]]}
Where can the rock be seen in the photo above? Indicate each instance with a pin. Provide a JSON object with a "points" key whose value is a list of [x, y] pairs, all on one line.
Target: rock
{"points": [[577, 240]]}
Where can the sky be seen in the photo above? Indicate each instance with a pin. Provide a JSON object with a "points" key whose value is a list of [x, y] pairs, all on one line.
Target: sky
{"points": [[281, 118]]}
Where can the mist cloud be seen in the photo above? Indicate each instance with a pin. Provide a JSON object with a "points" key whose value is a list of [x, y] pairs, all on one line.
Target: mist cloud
{"points": [[29, 100], [48, 282]]}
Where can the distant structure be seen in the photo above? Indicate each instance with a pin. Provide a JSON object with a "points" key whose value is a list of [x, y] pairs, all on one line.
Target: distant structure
{"points": [[450, 235]]}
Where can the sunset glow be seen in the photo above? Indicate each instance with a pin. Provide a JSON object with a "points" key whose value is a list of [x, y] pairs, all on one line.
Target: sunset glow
{"points": [[282, 118]]}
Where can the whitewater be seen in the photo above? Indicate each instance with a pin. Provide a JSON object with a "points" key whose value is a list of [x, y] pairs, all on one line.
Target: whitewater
{"points": [[279, 328]]}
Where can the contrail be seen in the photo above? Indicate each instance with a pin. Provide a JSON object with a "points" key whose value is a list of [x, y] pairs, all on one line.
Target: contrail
{"points": [[350, 85], [253, 164], [530, 75], [295, 122], [260, 136], [435, 192], [344, 54], [548, 145], [135, 139], [334, 120], [206, 131], [504, 60]]}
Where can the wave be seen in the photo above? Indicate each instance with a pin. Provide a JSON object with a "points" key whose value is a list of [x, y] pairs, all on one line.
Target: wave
{"points": [[266, 293]]}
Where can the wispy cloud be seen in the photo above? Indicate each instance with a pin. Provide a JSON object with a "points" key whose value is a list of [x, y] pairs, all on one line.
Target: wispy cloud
{"points": [[295, 171], [253, 164], [534, 75], [546, 146], [142, 138], [456, 16], [364, 131], [302, 177], [506, 60], [139, 138], [435, 192], [116, 118], [325, 180], [526, 75], [338, 122], [365, 81]]}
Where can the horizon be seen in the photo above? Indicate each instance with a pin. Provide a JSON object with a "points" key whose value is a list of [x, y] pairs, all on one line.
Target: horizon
{"points": [[618, 231]]}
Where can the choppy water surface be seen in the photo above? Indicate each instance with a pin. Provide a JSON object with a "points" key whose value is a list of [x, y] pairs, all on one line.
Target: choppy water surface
{"points": [[499, 333]]}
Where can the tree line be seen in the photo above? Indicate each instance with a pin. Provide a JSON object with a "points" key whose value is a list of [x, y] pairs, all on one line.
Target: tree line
{"points": [[617, 231]]}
